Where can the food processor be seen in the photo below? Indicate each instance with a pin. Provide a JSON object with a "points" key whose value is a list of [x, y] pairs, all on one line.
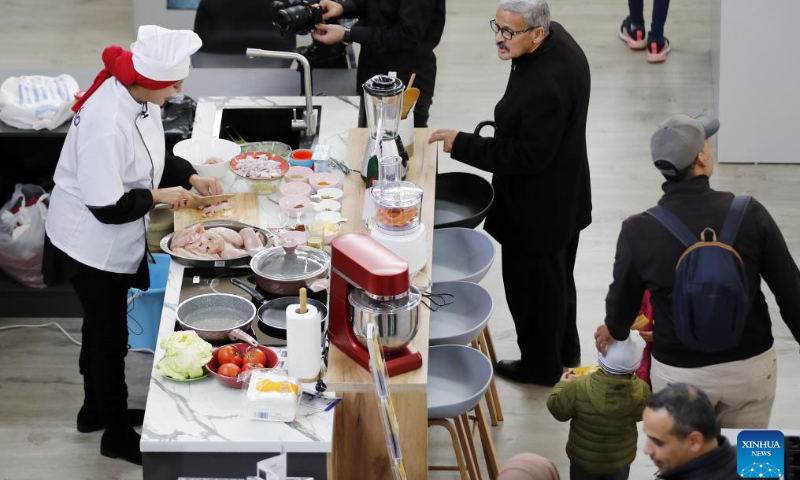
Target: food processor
{"points": [[398, 207], [383, 102]]}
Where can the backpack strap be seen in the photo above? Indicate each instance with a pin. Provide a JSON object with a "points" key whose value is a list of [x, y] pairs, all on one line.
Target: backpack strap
{"points": [[734, 219], [674, 225]]}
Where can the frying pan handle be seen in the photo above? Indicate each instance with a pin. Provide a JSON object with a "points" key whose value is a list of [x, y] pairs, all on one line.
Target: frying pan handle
{"points": [[237, 334], [250, 290], [485, 123]]}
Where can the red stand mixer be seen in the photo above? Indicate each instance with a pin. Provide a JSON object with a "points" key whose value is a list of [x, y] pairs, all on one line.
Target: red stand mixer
{"points": [[370, 283]]}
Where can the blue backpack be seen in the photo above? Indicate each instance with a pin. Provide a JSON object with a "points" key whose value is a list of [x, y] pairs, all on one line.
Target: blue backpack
{"points": [[710, 298]]}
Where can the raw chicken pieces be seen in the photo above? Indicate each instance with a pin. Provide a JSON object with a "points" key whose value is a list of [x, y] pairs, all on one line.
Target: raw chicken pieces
{"points": [[217, 243]]}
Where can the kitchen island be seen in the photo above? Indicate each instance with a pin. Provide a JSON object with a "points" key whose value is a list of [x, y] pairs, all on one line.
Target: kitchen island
{"points": [[195, 428]]}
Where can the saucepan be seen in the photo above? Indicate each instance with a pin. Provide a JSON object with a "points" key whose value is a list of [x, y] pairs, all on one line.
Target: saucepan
{"points": [[272, 314], [286, 269], [218, 317]]}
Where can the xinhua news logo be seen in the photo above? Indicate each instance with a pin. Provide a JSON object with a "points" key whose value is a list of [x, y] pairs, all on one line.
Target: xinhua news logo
{"points": [[760, 454]]}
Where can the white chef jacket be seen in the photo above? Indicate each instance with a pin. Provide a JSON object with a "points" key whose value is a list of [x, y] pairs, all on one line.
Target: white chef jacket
{"points": [[110, 149]]}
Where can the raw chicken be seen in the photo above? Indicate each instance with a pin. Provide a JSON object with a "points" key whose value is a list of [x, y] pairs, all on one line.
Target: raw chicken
{"points": [[231, 252], [230, 236], [252, 242], [186, 236], [211, 210]]}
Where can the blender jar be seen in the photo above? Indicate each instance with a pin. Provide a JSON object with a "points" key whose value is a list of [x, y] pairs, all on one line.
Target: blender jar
{"points": [[383, 99]]}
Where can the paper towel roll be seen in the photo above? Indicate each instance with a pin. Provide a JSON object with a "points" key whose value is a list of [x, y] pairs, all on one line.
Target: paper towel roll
{"points": [[303, 341]]}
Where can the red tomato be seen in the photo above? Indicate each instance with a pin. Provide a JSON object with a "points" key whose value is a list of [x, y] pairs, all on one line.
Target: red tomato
{"points": [[251, 365], [228, 354], [229, 370], [256, 356]]}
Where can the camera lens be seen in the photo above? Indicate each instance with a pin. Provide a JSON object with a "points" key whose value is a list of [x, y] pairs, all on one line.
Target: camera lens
{"points": [[293, 19]]}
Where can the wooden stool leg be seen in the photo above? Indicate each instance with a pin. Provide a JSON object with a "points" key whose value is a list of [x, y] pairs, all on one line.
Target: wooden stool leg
{"points": [[473, 449], [456, 447], [490, 345], [488, 444], [489, 401], [468, 448], [498, 410]]}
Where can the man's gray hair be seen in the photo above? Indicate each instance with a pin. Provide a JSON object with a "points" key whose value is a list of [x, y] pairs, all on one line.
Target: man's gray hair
{"points": [[535, 12]]}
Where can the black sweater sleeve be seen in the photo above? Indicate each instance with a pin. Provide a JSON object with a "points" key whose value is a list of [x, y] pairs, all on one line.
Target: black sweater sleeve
{"points": [[130, 207], [177, 172], [625, 292], [413, 20]]}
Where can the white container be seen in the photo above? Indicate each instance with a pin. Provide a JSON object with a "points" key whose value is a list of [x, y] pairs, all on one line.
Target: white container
{"points": [[197, 152], [406, 131]]}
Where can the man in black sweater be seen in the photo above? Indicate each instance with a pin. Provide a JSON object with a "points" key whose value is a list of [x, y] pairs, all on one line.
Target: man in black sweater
{"points": [[647, 254], [541, 181], [683, 438], [395, 35]]}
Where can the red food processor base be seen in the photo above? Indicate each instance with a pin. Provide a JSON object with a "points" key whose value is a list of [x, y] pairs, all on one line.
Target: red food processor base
{"points": [[401, 361]]}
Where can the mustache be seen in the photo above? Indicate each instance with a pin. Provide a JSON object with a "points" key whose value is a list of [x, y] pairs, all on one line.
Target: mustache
{"points": [[501, 45]]}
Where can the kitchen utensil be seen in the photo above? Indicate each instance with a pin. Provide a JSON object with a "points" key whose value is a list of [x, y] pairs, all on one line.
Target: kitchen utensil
{"points": [[217, 317], [461, 254], [383, 102], [245, 210], [327, 206], [272, 313], [294, 204], [298, 174], [303, 338], [295, 188], [397, 320], [410, 97], [462, 200], [276, 148], [411, 80], [233, 382], [198, 151], [464, 318], [321, 180], [266, 237], [261, 186], [284, 270], [200, 201], [327, 194], [360, 263], [302, 157]]}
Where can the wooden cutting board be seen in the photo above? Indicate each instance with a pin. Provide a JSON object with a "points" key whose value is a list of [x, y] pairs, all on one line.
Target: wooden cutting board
{"points": [[245, 210]]}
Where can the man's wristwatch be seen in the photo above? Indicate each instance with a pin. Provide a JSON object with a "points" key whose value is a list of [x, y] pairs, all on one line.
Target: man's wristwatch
{"points": [[348, 36]]}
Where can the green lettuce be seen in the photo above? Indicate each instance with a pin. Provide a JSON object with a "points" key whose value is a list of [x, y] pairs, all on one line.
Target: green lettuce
{"points": [[185, 354]]}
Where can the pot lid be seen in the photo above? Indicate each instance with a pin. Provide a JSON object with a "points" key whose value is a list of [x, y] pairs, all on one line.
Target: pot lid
{"points": [[383, 86], [360, 299], [290, 264], [397, 194]]}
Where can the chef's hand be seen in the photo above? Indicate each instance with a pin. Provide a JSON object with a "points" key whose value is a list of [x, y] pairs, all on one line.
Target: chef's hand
{"points": [[328, 34], [178, 197], [602, 339], [445, 135], [331, 9], [206, 186]]}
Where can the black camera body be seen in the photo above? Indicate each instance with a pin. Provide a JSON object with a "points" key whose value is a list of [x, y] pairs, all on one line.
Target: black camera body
{"points": [[296, 17]]}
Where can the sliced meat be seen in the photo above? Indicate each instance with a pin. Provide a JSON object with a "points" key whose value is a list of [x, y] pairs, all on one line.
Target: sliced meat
{"points": [[230, 236], [211, 210], [186, 236]]}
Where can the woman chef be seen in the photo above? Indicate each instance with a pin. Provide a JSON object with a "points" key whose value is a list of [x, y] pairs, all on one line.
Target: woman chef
{"points": [[111, 172]]}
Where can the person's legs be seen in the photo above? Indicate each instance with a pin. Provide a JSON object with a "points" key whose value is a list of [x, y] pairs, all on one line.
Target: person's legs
{"points": [[571, 344], [105, 308], [535, 289], [660, 9], [636, 9]]}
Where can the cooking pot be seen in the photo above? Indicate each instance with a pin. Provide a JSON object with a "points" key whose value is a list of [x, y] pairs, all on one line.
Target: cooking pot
{"points": [[217, 317], [272, 313], [285, 270], [397, 320]]}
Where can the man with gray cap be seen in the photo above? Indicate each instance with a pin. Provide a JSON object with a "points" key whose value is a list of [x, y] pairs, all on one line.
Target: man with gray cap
{"points": [[740, 381]]}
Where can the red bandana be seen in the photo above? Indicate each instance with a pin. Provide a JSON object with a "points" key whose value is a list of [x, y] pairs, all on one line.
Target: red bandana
{"points": [[119, 63]]}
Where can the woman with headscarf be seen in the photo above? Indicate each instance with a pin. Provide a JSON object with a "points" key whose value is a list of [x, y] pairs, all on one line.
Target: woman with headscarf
{"points": [[112, 170], [528, 466]]}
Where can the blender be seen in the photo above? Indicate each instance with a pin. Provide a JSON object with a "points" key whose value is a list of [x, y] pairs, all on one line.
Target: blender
{"points": [[398, 207], [383, 103]]}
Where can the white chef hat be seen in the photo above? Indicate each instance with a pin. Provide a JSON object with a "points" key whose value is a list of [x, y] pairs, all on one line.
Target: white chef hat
{"points": [[162, 54], [623, 356]]}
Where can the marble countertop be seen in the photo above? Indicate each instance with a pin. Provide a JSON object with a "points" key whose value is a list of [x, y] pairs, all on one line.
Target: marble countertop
{"points": [[204, 416]]}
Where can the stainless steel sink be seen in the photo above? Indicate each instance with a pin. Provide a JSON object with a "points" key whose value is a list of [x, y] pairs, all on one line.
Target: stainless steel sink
{"points": [[262, 124]]}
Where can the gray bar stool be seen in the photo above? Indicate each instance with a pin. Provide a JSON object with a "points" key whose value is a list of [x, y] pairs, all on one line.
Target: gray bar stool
{"points": [[463, 254], [458, 376]]}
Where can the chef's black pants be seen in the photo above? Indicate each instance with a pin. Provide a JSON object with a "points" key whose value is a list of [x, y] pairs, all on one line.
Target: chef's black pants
{"points": [[540, 291], [103, 296]]}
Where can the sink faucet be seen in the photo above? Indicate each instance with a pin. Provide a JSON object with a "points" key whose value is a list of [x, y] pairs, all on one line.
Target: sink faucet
{"points": [[309, 121]]}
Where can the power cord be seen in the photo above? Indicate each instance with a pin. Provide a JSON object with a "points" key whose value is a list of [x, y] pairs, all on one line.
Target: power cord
{"points": [[71, 339]]}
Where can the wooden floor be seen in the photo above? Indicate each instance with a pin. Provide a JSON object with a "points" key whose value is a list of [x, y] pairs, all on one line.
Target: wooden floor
{"points": [[40, 388]]}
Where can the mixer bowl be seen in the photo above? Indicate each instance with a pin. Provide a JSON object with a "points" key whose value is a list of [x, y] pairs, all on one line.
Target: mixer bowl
{"points": [[397, 320]]}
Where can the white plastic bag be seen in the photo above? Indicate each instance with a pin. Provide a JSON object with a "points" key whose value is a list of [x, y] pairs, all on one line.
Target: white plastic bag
{"points": [[37, 102], [22, 235]]}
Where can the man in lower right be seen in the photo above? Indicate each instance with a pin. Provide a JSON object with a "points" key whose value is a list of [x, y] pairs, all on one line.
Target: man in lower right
{"points": [[683, 438], [740, 381]]}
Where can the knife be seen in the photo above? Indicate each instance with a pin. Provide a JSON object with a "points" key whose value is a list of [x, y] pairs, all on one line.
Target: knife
{"points": [[199, 201]]}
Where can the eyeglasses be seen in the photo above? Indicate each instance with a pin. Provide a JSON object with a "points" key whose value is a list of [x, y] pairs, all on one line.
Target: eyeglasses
{"points": [[507, 34]]}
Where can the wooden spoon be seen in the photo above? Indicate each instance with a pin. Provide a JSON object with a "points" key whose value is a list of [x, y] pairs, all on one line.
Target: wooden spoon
{"points": [[410, 98]]}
